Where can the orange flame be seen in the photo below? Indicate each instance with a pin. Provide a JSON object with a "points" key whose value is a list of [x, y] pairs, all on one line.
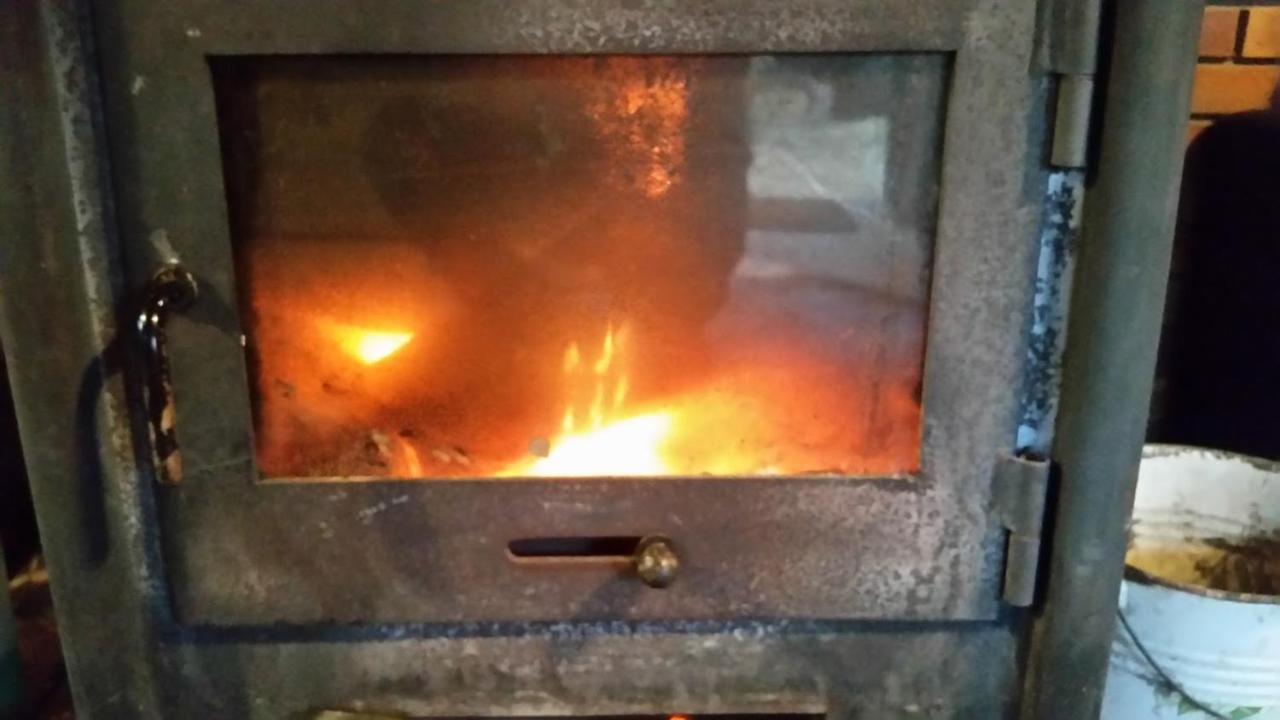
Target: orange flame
{"points": [[405, 461], [611, 446], [610, 381]]}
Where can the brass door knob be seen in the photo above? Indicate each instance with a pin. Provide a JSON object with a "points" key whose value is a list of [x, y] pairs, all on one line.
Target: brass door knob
{"points": [[656, 562]]}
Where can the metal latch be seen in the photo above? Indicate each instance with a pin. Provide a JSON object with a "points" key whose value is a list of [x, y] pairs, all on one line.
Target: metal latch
{"points": [[172, 289], [1020, 491]]}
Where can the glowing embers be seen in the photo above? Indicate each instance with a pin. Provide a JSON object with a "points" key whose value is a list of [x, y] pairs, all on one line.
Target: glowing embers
{"points": [[369, 346]]}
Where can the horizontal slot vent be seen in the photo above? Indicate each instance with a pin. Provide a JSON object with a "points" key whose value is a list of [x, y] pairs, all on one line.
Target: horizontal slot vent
{"points": [[612, 547]]}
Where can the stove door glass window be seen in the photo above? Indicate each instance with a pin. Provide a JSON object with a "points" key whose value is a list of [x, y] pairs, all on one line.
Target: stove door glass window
{"points": [[586, 266]]}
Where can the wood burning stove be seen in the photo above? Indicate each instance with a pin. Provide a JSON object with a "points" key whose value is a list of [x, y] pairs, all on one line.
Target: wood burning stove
{"points": [[546, 357]]}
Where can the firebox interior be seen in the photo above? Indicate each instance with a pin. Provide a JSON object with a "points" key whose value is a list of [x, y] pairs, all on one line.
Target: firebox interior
{"points": [[511, 266]]}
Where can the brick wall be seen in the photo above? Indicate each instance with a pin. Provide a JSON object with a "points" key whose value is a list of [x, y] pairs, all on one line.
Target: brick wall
{"points": [[1239, 62]]}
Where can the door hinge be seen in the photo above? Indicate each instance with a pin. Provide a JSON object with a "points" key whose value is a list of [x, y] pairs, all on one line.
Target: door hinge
{"points": [[1067, 38], [1020, 491], [1071, 119]]}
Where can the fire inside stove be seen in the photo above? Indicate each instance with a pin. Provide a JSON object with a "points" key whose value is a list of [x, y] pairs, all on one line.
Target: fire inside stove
{"points": [[583, 266]]}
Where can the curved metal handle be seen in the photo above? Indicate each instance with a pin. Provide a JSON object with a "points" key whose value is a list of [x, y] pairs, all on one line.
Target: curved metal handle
{"points": [[171, 289]]}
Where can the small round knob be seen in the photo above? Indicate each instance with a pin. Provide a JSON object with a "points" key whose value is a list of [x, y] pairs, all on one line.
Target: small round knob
{"points": [[656, 562]]}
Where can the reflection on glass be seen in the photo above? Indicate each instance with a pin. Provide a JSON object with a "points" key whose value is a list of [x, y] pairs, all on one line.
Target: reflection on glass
{"points": [[583, 266]]}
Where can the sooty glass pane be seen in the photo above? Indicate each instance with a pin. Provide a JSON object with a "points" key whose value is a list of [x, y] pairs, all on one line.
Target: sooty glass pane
{"points": [[479, 266]]}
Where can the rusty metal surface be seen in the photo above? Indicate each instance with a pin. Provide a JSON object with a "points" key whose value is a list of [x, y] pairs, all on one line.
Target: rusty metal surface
{"points": [[406, 551], [870, 670], [542, 26], [923, 548], [58, 323], [129, 657]]}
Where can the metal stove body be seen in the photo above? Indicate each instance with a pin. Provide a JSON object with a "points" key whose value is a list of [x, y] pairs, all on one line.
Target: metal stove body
{"points": [[214, 588]]}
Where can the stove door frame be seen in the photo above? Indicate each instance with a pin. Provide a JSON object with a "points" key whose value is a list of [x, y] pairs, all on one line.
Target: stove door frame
{"points": [[238, 551]]}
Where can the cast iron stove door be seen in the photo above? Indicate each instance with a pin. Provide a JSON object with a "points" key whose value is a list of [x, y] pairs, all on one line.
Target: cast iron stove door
{"points": [[493, 297]]}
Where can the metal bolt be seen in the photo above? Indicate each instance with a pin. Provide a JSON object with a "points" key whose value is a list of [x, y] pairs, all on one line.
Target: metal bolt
{"points": [[656, 562], [173, 287]]}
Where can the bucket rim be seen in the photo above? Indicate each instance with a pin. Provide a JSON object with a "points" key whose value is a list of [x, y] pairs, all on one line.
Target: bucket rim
{"points": [[1142, 577], [1151, 451]]}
